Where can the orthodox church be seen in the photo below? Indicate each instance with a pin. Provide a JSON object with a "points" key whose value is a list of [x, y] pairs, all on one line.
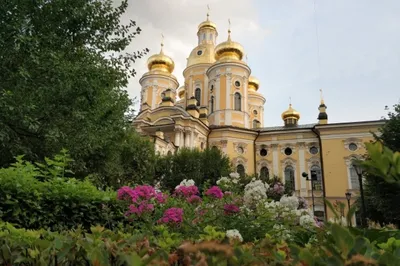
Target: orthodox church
{"points": [[219, 106]]}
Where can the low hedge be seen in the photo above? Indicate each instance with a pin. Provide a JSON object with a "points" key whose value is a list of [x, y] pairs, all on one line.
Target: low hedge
{"points": [[55, 203]]}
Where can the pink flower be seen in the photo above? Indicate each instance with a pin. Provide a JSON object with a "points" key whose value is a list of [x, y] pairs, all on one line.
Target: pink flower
{"points": [[125, 193], [227, 193], [140, 209], [215, 192], [194, 199], [186, 191], [161, 198], [172, 215], [231, 209]]}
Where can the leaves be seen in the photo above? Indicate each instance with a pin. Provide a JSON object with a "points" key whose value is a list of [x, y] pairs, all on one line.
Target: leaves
{"points": [[63, 68]]}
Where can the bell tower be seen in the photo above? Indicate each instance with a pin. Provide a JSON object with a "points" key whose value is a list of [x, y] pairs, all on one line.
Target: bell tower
{"points": [[157, 80]]}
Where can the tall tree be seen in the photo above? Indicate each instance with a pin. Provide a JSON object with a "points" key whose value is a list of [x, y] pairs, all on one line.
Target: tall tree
{"points": [[63, 71], [381, 197]]}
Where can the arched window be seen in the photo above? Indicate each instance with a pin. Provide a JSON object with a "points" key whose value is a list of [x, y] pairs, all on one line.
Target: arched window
{"points": [[212, 104], [264, 173], [289, 176], [197, 95], [255, 123], [240, 170], [317, 177], [238, 101], [354, 178]]}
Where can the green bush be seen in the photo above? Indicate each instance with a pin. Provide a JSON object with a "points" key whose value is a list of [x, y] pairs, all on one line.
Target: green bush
{"points": [[54, 202], [201, 166]]}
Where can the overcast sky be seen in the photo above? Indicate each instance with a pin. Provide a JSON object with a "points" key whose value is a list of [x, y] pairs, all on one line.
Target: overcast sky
{"points": [[359, 44]]}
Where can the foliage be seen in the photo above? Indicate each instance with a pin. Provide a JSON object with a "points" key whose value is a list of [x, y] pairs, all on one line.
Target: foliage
{"points": [[201, 166], [62, 70], [56, 202], [382, 197], [390, 131], [335, 245], [383, 162]]}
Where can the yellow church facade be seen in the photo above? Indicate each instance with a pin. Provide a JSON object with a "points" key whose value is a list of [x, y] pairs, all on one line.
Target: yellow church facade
{"points": [[219, 106]]}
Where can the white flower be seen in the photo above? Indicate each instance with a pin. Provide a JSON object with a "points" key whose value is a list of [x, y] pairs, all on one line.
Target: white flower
{"points": [[234, 175], [234, 235], [224, 180], [254, 191], [186, 183], [342, 221], [307, 221], [290, 202]]}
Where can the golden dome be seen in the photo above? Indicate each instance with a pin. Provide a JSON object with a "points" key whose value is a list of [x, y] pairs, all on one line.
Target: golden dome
{"points": [[290, 113], [229, 50], [202, 54], [161, 62], [181, 92], [207, 24], [254, 83]]}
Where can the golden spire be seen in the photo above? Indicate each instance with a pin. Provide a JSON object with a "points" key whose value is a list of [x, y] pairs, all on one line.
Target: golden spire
{"points": [[229, 29], [162, 43], [208, 23], [247, 59], [321, 96]]}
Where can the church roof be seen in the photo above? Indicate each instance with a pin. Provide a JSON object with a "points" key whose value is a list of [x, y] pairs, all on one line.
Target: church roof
{"points": [[286, 128]]}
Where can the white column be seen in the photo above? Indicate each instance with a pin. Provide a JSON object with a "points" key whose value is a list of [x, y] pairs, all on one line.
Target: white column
{"points": [[228, 90], [153, 100], [192, 139], [177, 137], [275, 159], [244, 103], [302, 164], [217, 93], [181, 139], [205, 90], [187, 138]]}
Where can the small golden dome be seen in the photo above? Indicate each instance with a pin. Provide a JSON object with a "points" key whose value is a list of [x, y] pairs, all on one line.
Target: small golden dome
{"points": [[290, 113], [181, 92], [161, 62], [207, 24], [229, 50], [254, 83]]}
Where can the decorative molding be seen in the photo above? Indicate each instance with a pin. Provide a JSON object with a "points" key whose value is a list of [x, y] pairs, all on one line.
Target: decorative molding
{"points": [[288, 161], [240, 160], [237, 145], [264, 163], [357, 141], [288, 145]]}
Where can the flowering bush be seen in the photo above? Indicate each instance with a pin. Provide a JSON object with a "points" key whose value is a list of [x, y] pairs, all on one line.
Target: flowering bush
{"points": [[249, 211], [255, 191], [172, 215], [215, 192]]}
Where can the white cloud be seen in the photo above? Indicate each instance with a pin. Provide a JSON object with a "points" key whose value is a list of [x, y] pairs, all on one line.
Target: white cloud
{"points": [[358, 41]]}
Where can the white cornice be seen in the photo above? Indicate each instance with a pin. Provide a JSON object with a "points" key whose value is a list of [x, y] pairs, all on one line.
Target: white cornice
{"points": [[346, 136], [351, 124]]}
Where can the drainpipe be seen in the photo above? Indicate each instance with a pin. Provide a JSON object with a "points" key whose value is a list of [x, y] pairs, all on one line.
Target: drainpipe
{"points": [[321, 158], [254, 145]]}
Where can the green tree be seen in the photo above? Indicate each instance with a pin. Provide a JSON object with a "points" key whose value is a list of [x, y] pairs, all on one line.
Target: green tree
{"points": [[201, 166], [381, 197], [62, 73]]}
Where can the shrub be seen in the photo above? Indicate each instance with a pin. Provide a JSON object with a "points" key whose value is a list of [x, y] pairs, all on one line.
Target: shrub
{"points": [[55, 203], [201, 166]]}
